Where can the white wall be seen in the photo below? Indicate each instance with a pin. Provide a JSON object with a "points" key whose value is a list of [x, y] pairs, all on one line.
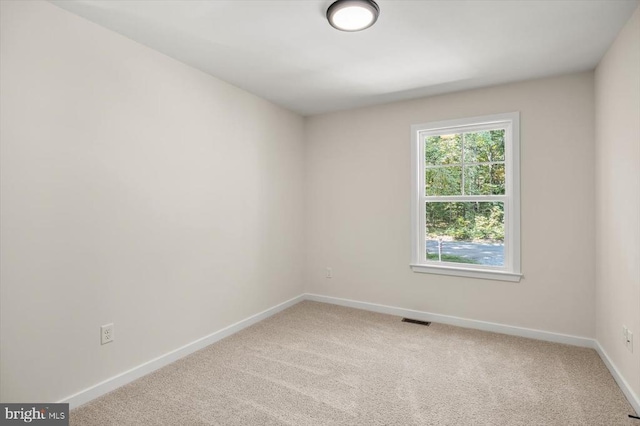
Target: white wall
{"points": [[135, 190], [358, 207], [617, 94]]}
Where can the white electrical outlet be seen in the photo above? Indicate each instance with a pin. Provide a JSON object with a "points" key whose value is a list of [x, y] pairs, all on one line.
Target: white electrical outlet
{"points": [[106, 334], [328, 272], [630, 341], [624, 334]]}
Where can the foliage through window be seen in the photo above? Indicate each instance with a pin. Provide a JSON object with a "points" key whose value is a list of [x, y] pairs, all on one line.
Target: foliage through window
{"points": [[466, 196]]}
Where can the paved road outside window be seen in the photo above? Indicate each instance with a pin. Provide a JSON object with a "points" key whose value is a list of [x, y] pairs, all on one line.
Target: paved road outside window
{"points": [[483, 253]]}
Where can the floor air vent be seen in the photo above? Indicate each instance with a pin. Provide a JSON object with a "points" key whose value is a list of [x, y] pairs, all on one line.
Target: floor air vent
{"points": [[412, 321]]}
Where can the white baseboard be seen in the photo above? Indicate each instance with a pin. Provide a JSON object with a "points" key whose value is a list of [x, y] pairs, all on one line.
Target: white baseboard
{"points": [[122, 379], [624, 386], [457, 321]]}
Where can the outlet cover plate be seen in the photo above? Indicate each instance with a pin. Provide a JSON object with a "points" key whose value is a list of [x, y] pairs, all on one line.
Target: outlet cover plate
{"points": [[328, 272], [106, 334]]}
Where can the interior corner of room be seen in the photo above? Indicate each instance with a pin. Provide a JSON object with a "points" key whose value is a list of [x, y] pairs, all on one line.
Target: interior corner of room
{"points": [[150, 209]]}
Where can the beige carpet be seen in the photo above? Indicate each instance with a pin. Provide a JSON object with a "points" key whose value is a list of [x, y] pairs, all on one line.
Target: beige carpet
{"points": [[319, 364]]}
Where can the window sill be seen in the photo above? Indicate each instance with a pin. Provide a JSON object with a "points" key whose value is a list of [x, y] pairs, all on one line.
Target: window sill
{"points": [[467, 272]]}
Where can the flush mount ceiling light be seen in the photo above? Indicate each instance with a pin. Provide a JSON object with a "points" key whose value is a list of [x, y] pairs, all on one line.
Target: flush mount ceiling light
{"points": [[353, 15]]}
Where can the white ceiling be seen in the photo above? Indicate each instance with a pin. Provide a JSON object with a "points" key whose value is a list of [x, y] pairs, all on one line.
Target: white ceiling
{"points": [[285, 51]]}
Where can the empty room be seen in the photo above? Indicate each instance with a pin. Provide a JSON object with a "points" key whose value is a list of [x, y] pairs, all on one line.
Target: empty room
{"points": [[319, 212]]}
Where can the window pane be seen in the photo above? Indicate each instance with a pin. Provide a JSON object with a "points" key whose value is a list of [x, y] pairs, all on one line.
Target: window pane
{"points": [[443, 181], [484, 180], [444, 149], [484, 147], [469, 232]]}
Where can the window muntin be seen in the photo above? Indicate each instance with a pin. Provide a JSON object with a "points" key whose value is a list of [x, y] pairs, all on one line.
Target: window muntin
{"points": [[466, 196], [470, 163]]}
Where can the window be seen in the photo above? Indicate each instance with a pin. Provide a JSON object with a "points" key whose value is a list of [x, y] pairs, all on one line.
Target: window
{"points": [[466, 197]]}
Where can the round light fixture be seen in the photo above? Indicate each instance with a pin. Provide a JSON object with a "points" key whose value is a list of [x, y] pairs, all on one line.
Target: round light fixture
{"points": [[353, 15]]}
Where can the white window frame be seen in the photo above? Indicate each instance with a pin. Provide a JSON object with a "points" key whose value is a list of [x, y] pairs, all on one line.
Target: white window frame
{"points": [[511, 269]]}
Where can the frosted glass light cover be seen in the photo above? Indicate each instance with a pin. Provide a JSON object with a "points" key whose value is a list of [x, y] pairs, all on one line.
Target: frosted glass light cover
{"points": [[352, 15]]}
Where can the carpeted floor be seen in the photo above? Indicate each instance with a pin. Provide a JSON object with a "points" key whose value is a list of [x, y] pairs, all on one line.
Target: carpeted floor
{"points": [[319, 364]]}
